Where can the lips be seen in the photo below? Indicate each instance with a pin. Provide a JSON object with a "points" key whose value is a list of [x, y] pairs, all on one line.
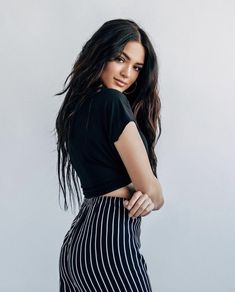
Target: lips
{"points": [[120, 82]]}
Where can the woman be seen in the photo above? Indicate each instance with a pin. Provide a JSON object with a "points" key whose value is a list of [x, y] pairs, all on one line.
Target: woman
{"points": [[106, 136]]}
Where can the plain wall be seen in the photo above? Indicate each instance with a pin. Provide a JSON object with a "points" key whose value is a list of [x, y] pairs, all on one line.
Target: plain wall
{"points": [[189, 243]]}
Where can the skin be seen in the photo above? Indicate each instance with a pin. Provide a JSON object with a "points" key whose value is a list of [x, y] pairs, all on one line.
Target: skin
{"points": [[127, 70], [124, 69]]}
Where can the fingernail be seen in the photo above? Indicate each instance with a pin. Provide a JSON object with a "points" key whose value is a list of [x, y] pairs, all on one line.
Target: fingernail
{"points": [[125, 203]]}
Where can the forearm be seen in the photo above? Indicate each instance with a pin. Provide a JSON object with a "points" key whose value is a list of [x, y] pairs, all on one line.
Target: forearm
{"points": [[153, 190], [155, 193]]}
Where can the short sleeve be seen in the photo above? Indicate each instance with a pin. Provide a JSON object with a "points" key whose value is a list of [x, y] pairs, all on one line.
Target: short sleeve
{"points": [[118, 114]]}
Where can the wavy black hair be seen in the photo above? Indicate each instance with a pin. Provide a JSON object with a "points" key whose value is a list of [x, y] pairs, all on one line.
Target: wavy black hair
{"points": [[105, 45]]}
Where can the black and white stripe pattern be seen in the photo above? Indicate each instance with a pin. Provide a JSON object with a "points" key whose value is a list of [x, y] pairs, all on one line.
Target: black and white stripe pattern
{"points": [[100, 252]]}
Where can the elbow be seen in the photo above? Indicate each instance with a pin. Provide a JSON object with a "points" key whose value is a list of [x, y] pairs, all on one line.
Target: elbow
{"points": [[157, 196], [158, 205], [154, 191]]}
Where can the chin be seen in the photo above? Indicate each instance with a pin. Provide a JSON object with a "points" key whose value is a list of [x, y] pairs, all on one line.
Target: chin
{"points": [[116, 87]]}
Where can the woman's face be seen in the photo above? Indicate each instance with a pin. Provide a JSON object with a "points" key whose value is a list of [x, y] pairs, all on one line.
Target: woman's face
{"points": [[125, 67]]}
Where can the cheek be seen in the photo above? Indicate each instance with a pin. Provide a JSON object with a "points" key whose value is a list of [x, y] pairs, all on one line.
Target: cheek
{"points": [[112, 67], [109, 71], [135, 78], [104, 74]]}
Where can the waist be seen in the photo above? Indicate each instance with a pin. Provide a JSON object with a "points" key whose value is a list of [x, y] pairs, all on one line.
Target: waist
{"points": [[119, 185], [123, 192]]}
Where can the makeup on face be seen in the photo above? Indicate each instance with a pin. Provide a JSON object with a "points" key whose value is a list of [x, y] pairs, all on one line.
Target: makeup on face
{"points": [[122, 70]]}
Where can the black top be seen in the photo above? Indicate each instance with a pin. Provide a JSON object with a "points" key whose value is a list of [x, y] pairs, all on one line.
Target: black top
{"points": [[96, 126]]}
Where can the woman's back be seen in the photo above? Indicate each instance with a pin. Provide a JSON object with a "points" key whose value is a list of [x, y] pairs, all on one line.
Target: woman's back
{"points": [[96, 126]]}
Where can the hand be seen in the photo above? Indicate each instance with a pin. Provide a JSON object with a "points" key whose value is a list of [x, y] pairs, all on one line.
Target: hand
{"points": [[139, 205]]}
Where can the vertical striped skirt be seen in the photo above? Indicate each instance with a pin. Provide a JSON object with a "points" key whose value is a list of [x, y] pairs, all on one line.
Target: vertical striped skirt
{"points": [[101, 250]]}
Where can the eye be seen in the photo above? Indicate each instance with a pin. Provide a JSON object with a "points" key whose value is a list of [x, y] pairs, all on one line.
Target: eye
{"points": [[138, 69], [120, 59]]}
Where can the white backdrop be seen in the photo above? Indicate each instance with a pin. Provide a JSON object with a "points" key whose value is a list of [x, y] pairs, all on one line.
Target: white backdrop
{"points": [[189, 243]]}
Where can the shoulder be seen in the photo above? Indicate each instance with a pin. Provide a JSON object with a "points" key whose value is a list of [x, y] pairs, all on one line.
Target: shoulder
{"points": [[112, 104], [110, 96]]}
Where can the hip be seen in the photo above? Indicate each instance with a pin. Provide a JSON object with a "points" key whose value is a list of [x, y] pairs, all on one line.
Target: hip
{"points": [[106, 217]]}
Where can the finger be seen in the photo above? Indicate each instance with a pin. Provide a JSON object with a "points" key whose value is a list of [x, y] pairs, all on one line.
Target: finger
{"points": [[138, 204], [133, 199], [147, 210], [141, 209], [125, 203]]}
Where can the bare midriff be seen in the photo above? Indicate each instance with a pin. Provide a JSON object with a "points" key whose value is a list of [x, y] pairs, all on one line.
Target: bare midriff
{"points": [[123, 192]]}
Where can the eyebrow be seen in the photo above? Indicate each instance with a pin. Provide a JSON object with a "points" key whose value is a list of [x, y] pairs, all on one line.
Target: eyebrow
{"points": [[130, 58]]}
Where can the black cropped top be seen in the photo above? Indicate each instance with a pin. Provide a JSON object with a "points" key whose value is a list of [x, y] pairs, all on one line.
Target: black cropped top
{"points": [[97, 124]]}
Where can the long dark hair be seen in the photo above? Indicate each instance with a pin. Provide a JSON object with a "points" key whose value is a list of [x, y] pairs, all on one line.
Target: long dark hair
{"points": [[105, 45]]}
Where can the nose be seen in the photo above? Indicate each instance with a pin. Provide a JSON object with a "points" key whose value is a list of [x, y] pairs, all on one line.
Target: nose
{"points": [[126, 72]]}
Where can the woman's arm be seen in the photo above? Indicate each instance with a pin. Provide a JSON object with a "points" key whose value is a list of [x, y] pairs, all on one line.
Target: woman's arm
{"points": [[134, 156]]}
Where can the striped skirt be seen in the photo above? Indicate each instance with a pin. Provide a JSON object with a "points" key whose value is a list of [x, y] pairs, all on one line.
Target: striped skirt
{"points": [[101, 250]]}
